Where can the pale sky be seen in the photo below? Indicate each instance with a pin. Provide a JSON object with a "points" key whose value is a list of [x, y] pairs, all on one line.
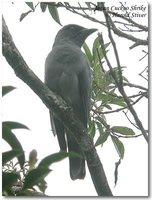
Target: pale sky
{"points": [[34, 37]]}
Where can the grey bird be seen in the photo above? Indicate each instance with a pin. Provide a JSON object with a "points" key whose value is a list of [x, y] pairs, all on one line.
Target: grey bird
{"points": [[67, 73]]}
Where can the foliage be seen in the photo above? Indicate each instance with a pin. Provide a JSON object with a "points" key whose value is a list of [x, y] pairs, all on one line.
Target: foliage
{"points": [[21, 177], [43, 5], [103, 97]]}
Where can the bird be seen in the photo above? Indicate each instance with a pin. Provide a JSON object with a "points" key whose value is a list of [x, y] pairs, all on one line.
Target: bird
{"points": [[68, 74]]}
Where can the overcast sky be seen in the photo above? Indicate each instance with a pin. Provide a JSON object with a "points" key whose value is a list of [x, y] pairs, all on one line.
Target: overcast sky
{"points": [[34, 37]]}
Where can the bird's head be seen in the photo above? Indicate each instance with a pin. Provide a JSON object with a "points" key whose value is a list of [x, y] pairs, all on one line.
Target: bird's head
{"points": [[74, 33]]}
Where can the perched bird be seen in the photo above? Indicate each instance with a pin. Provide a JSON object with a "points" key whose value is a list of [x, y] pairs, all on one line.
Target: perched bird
{"points": [[67, 73]]}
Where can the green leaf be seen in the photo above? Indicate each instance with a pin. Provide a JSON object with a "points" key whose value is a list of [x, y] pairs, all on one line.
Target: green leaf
{"points": [[118, 101], [125, 79], [8, 179], [99, 54], [30, 4], [47, 161], [23, 15], [14, 125], [91, 129], [102, 119], [96, 45], [123, 130], [101, 139], [42, 185], [119, 146], [7, 89], [12, 140], [32, 193], [108, 107], [43, 6], [98, 82], [54, 13], [116, 170], [9, 155], [105, 98], [87, 52], [35, 176], [100, 127]]}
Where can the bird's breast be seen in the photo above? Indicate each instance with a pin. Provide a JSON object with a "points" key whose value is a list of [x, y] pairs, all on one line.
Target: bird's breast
{"points": [[67, 53]]}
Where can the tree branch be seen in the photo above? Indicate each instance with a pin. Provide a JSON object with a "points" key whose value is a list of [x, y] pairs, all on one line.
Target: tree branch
{"points": [[73, 10], [60, 108], [137, 41], [135, 86]]}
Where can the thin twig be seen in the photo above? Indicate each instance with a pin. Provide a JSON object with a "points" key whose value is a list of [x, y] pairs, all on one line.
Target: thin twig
{"points": [[146, 54], [100, 61], [135, 86], [140, 74], [127, 136], [130, 120], [127, 25], [117, 110], [73, 9]]}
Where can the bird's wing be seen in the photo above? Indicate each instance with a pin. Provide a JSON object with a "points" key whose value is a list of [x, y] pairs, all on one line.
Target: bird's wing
{"points": [[71, 80], [58, 129], [84, 88], [52, 123]]}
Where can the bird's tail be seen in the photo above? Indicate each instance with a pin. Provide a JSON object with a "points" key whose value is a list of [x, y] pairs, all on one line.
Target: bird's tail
{"points": [[77, 164]]}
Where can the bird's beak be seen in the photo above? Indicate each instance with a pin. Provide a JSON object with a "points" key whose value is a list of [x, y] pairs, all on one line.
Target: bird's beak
{"points": [[88, 32], [83, 34], [92, 30]]}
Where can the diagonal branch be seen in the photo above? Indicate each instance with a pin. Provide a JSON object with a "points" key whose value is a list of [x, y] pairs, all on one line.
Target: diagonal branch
{"points": [[60, 108]]}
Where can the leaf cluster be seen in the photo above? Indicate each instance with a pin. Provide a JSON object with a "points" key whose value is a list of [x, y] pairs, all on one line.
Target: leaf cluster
{"points": [[43, 5], [21, 177], [104, 95]]}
